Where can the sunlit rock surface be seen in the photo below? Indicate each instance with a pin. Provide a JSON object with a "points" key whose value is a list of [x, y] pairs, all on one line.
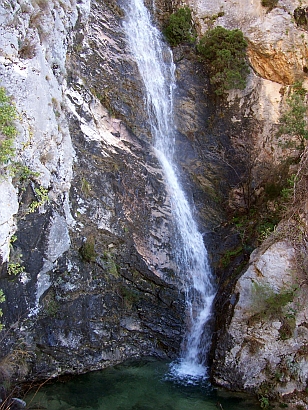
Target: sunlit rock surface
{"points": [[265, 344], [98, 283], [277, 47]]}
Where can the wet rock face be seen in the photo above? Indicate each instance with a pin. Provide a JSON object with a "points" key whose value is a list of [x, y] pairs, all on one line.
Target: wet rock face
{"points": [[98, 284], [100, 56]]}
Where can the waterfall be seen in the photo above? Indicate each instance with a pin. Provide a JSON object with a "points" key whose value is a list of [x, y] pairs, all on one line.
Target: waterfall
{"points": [[155, 64]]}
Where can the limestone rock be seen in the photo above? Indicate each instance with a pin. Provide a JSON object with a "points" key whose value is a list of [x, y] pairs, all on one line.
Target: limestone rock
{"points": [[277, 47], [97, 284], [8, 208], [265, 342]]}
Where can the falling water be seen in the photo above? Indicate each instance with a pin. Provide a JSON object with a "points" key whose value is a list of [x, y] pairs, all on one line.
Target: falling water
{"points": [[156, 67]]}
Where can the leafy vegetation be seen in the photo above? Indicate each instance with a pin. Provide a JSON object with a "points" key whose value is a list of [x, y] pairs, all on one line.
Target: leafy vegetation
{"points": [[15, 268], [271, 305], [270, 4], [22, 174], [229, 255], [85, 187], [180, 27], [300, 16], [267, 304], [209, 20], [130, 296], [110, 264], [51, 305], [281, 194], [264, 402], [8, 130], [87, 250], [225, 52], [42, 197], [293, 121]]}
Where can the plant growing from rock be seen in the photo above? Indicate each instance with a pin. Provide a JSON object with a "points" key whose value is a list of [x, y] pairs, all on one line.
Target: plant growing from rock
{"points": [[21, 174], [27, 49], [268, 304], [15, 268], [270, 4], [41, 194], [300, 17], [224, 52], [87, 250], [8, 130], [293, 121], [180, 27]]}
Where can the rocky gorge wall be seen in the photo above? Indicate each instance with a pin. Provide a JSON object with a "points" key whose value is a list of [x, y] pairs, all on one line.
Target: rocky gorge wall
{"points": [[94, 282], [91, 232], [261, 335], [88, 272]]}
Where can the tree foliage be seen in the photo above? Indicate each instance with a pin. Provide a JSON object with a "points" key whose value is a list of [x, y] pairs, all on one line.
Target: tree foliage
{"points": [[294, 121], [225, 52], [8, 130], [180, 27]]}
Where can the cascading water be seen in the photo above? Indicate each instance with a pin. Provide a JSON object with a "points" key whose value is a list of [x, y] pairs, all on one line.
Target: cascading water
{"points": [[156, 67]]}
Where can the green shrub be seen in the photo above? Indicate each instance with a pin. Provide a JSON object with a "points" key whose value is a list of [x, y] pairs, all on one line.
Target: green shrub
{"points": [[293, 121], [230, 255], [264, 402], [22, 173], [41, 194], [8, 130], [130, 296], [87, 250], [225, 53], [270, 4], [300, 16], [180, 27], [109, 264], [15, 268]]}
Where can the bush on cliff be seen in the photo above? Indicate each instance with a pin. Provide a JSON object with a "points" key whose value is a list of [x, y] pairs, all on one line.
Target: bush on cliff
{"points": [[293, 121], [8, 130], [180, 27], [270, 4], [225, 53]]}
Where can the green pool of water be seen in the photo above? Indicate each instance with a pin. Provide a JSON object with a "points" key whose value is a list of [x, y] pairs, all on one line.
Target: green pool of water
{"points": [[139, 385]]}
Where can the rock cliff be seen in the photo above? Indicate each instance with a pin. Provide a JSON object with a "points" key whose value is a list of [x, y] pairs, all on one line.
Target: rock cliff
{"points": [[93, 282], [89, 230], [261, 337]]}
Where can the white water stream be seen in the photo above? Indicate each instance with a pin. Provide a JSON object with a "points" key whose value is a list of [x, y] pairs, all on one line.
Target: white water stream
{"points": [[156, 67]]}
